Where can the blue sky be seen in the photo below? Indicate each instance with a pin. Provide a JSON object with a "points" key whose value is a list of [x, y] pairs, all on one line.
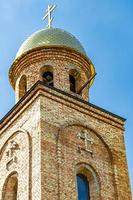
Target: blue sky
{"points": [[105, 29]]}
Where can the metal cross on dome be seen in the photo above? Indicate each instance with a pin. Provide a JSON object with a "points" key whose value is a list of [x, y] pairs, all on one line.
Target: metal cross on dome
{"points": [[48, 14]]}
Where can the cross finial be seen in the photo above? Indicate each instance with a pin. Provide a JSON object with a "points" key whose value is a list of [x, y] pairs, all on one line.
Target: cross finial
{"points": [[48, 14]]}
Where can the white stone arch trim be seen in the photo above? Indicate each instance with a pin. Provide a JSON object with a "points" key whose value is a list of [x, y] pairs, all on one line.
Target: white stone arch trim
{"points": [[26, 133], [11, 136], [10, 174]]}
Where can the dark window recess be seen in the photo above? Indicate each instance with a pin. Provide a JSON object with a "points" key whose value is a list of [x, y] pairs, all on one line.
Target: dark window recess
{"points": [[72, 83], [48, 78], [83, 187]]}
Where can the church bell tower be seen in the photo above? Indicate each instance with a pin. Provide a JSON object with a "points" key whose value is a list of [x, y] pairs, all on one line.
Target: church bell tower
{"points": [[55, 144]]}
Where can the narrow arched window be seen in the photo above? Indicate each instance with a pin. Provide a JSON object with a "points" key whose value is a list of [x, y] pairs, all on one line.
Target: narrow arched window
{"points": [[72, 83], [83, 187], [22, 86], [48, 78], [10, 188]]}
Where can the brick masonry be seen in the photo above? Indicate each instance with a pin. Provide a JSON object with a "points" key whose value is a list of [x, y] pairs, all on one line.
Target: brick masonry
{"points": [[50, 136]]}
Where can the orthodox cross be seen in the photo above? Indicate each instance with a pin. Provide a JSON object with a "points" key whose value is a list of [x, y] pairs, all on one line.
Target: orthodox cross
{"points": [[12, 158], [48, 14], [13, 146], [88, 142]]}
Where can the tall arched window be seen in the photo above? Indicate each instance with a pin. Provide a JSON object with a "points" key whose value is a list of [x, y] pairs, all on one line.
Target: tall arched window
{"points": [[22, 86], [72, 83], [10, 188], [74, 80], [48, 78], [83, 187]]}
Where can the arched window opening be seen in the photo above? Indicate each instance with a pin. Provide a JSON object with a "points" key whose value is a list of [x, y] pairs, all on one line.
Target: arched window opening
{"points": [[83, 187], [10, 188], [72, 83], [74, 80], [48, 78], [88, 183], [22, 86]]}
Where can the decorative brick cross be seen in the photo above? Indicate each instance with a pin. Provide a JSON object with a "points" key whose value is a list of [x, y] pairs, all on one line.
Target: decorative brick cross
{"points": [[88, 142], [13, 146]]}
